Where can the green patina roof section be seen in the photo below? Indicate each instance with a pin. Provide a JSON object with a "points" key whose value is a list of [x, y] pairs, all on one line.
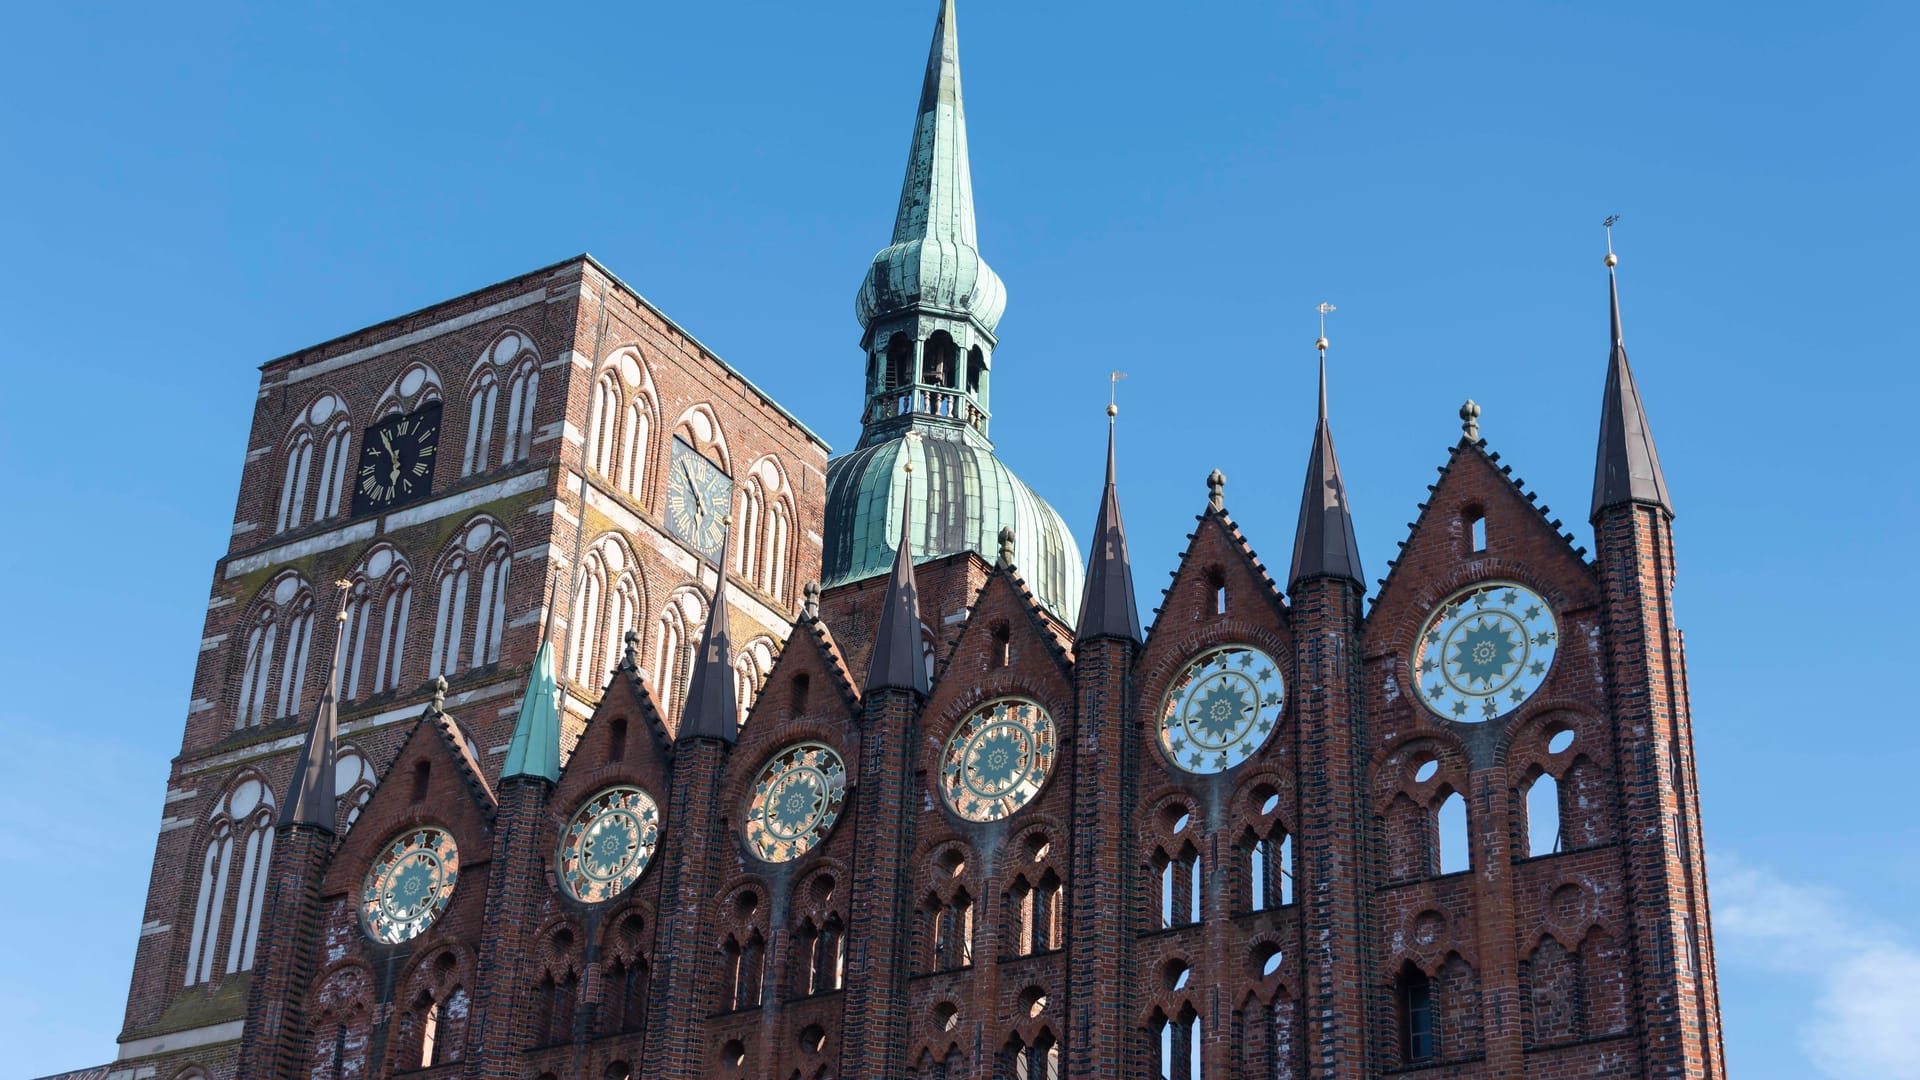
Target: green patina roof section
{"points": [[535, 749], [962, 496], [934, 260]]}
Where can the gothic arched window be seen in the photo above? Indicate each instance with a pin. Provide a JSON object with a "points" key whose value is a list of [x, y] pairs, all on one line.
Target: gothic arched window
{"points": [[681, 623], [376, 626], [279, 637], [603, 425], [634, 434], [322, 425], [470, 579], [241, 825], [483, 397], [522, 390]]}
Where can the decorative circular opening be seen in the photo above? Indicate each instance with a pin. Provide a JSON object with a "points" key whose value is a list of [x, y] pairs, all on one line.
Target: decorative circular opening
{"points": [[1220, 709], [1177, 817], [1484, 651], [813, 1038], [1426, 770], [734, 1054], [1033, 1000], [1560, 741], [1266, 798], [946, 1016], [953, 861], [1267, 959], [1177, 974], [1039, 846]]}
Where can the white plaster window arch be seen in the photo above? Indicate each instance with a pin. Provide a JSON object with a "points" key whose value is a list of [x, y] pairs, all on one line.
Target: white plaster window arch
{"points": [[354, 779], [470, 591], [376, 629], [608, 600], [701, 429], [279, 642], [767, 533], [510, 362], [633, 455], [320, 436], [750, 669], [417, 384], [682, 623], [238, 852]]}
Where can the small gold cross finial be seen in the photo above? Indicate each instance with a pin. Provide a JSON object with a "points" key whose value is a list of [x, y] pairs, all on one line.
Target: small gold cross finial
{"points": [[1325, 309], [1113, 392], [1612, 220]]}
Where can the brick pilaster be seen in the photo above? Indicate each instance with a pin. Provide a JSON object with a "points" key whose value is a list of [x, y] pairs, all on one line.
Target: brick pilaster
{"points": [[1332, 882], [1675, 990], [1103, 888], [685, 971], [501, 1021], [274, 1044], [875, 1023]]}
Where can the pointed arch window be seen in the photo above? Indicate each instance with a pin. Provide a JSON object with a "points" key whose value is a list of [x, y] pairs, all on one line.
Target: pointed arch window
{"points": [[321, 430], [750, 672], [483, 398], [774, 580], [376, 626], [333, 469], [623, 614], [250, 894], [522, 390], [274, 669], [450, 615], [471, 597], [603, 425], [233, 882], [752, 514], [293, 487], [679, 638], [491, 611], [215, 865], [586, 620], [634, 434]]}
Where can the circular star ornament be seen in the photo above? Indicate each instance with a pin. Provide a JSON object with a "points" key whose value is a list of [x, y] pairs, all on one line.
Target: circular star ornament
{"points": [[796, 799], [608, 842], [1484, 651], [409, 884], [997, 760], [1221, 709]]}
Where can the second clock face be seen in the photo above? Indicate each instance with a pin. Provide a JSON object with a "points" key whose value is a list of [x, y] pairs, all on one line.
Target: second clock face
{"points": [[699, 498], [396, 460], [1221, 709], [1484, 651]]}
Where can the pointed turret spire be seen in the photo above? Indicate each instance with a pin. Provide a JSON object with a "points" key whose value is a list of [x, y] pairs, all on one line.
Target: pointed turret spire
{"points": [[1108, 607], [1323, 542], [712, 706], [535, 748], [310, 796], [898, 663], [1626, 466]]}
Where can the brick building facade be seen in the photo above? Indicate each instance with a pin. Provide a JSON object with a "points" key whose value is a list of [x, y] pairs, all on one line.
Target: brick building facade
{"points": [[955, 815]]}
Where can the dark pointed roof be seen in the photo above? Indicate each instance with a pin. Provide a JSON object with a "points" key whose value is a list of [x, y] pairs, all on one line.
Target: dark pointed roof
{"points": [[1323, 542], [1108, 607], [1626, 466], [310, 795], [898, 661], [535, 747], [712, 708]]}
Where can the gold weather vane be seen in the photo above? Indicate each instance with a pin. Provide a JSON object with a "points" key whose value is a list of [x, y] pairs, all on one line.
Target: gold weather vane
{"points": [[1113, 392], [1612, 220], [1325, 309]]}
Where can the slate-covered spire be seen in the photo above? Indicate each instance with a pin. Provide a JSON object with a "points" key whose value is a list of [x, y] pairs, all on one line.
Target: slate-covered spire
{"points": [[310, 795], [1626, 466], [898, 662], [712, 707], [535, 748], [934, 260], [1108, 607], [1323, 542]]}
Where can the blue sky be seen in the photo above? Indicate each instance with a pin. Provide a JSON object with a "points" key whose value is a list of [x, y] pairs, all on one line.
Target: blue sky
{"points": [[1168, 191]]}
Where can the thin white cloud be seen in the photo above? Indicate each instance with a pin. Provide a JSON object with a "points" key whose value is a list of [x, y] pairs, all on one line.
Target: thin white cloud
{"points": [[1861, 1020]]}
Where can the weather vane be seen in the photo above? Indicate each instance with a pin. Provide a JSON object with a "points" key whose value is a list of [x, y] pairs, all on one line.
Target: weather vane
{"points": [[1113, 392], [1612, 220], [1324, 309]]}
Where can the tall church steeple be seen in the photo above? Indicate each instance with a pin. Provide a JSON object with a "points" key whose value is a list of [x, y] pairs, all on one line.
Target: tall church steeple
{"points": [[1323, 541], [1626, 466], [929, 303]]}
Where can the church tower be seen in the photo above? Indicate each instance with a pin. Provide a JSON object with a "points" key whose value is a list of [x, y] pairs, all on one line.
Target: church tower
{"points": [[929, 306]]}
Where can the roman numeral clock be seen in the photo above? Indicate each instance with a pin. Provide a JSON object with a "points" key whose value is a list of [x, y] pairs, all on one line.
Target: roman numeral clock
{"points": [[396, 461]]}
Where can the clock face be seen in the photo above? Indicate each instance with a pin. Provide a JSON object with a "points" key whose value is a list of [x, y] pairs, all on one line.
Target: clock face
{"points": [[1484, 651], [796, 799], [699, 498], [409, 885], [396, 461], [608, 843], [1221, 708], [998, 759]]}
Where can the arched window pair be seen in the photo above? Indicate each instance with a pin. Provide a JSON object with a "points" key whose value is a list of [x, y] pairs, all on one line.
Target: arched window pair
{"points": [[323, 432], [1039, 1060], [745, 964], [607, 605], [820, 956], [470, 611], [375, 632], [1178, 1040], [763, 531], [233, 883], [620, 424], [750, 670], [278, 645], [510, 359], [682, 623]]}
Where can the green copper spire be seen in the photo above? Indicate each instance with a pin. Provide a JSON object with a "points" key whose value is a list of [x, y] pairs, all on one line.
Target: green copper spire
{"points": [[535, 749]]}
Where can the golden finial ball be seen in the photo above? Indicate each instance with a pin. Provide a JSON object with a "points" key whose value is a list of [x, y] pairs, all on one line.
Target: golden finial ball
{"points": [[1612, 260], [1321, 344], [1113, 410]]}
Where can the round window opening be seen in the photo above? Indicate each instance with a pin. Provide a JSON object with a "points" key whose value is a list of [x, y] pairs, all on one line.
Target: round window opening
{"points": [[1221, 708], [796, 800], [409, 884], [998, 759], [608, 843]]}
